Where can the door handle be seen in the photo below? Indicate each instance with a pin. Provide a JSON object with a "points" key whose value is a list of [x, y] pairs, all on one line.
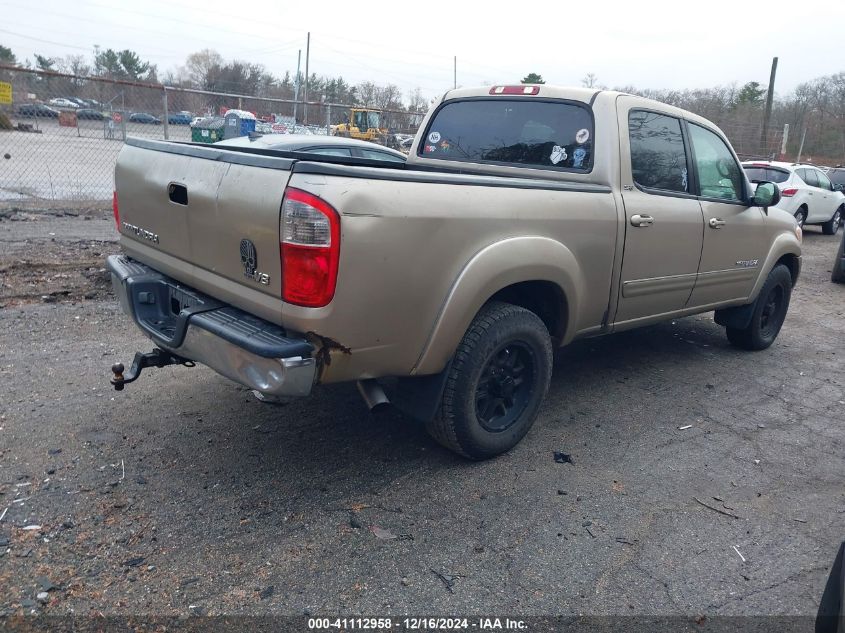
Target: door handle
{"points": [[717, 223], [641, 220]]}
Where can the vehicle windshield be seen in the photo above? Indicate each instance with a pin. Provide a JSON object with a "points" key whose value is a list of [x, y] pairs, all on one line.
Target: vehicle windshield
{"points": [[765, 174], [365, 120]]}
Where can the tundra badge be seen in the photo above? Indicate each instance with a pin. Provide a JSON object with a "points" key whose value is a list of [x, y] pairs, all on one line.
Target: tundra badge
{"points": [[249, 260]]}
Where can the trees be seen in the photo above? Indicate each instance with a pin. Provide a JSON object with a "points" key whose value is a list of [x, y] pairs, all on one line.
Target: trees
{"points": [[125, 64], [7, 56], [751, 93], [532, 78]]}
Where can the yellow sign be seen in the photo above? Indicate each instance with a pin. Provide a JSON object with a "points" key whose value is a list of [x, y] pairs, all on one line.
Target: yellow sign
{"points": [[5, 92]]}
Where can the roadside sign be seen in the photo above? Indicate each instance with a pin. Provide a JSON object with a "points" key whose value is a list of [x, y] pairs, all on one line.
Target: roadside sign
{"points": [[5, 92], [67, 119], [117, 117], [281, 128]]}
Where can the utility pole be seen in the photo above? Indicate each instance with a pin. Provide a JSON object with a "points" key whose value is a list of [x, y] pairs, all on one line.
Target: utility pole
{"points": [[307, 57], [801, 146], [455, 71], [783, 142], [769, 98], [296, 85]]}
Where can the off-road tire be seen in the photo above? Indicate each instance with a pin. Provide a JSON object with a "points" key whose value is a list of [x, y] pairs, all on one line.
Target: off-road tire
{"points": [[837, 275], [498, 330], [769, 313], [801, 216], [831, 227]]}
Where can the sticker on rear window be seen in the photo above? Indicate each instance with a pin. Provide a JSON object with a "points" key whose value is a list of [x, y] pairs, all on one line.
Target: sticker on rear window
{"points": [[578, 157], [582, 136], [434, 138], [558, 154], [430, 148]]}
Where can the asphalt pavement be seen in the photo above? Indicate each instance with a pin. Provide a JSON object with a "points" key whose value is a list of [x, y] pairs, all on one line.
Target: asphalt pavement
{"points": [[704, 480]]}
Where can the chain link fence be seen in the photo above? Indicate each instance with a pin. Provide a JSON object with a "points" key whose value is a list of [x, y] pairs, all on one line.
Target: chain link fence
{"points": [[61, 134]]}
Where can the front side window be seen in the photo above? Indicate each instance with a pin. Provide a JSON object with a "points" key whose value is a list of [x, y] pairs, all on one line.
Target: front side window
{"points": [[719, 175], [546, 134], [824, 182], [658, 157]]}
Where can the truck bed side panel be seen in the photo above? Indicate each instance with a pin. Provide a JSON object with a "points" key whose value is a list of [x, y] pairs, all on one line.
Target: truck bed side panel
{"points": [[404, 245]]}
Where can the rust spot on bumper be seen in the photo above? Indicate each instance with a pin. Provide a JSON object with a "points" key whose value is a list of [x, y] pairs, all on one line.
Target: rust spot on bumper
{"points": [[324, 346]]}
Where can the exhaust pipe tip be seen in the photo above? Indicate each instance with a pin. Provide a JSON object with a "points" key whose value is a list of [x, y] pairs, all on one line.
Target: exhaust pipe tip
{"points": [[372, 393]]}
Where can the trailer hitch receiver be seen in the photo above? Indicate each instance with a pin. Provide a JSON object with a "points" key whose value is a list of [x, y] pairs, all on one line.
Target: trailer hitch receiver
{"points": [[156, 358]]}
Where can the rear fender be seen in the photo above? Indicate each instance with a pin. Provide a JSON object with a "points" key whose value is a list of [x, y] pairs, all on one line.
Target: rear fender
{"points": [[495, 267]]}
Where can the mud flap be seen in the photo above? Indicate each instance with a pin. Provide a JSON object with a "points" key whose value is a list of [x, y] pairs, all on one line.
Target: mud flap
{"points": [[737, 318], [419, 397]]}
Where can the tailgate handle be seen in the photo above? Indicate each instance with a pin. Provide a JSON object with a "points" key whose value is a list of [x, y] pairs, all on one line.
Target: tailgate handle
{"points": [[177, 193]]}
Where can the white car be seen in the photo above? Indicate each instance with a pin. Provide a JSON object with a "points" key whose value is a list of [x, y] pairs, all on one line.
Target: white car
{"points": [[61, 102], [806, 192]]}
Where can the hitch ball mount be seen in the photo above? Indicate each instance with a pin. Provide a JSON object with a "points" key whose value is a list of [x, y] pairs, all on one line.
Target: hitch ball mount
{"points": [[156, 358]]}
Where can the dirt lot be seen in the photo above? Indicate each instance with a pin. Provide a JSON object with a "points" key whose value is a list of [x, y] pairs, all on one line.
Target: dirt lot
{"points": [[705, 480]]}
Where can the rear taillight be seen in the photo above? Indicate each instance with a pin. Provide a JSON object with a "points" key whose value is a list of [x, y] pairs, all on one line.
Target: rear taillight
{"points": [[310, 249], [115, 210], [788, 193]]}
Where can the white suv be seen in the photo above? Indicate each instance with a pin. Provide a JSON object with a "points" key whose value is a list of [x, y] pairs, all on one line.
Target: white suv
{"points": [[806, 192]]}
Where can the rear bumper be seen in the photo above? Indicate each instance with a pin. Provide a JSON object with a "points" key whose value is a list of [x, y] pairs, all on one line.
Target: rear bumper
{"points": [[238, 345]]}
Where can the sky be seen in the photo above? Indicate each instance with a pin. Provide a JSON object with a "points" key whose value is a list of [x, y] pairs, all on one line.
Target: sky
{"points": [[647, 44]]}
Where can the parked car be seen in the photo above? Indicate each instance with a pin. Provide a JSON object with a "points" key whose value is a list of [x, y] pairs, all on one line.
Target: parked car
{"points": [[143, 117], [837, 273], [806, 192], [90, 114], [180, 118], [37, 110], [525, 217], [61, 102], [837, 177], [313, 144]]}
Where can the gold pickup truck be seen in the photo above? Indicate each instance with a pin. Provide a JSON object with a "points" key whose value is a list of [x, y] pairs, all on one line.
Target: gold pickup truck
{"points": [[524, 218]]}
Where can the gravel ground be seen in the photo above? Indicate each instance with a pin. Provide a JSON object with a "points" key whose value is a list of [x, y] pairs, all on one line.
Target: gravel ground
{"points": [[704, 480]]}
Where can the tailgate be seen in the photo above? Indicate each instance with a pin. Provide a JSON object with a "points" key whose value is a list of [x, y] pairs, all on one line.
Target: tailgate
{"points": [[205, 216]]}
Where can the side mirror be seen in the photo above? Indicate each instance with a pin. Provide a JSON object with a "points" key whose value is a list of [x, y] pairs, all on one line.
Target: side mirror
{"points": [[766, 195], [839, 188]]}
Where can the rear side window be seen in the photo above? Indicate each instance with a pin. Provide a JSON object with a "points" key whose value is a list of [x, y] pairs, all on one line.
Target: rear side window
{"points": [[658, 157], [551, 135], [327, 151], [377, 155], [766, 174], [808, 176]]}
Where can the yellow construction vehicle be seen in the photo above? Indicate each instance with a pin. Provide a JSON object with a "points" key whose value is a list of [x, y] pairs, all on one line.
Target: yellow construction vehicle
{"points": [[365, 125]]}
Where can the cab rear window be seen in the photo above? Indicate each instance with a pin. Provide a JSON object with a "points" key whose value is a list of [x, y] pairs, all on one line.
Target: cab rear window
{"points": [[525, 132]]}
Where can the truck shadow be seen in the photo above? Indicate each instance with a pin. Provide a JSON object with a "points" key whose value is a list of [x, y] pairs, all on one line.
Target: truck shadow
{"points": [[330, 444]]}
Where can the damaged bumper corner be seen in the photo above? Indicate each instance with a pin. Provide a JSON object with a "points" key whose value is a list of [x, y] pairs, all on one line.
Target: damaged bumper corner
{"points": [[248, 350]]}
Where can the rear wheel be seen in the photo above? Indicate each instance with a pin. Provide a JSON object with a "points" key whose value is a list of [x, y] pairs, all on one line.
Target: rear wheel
{"points": [[838, 273], [496, 383], [831, 227], [801, 216], [769, 312]]}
